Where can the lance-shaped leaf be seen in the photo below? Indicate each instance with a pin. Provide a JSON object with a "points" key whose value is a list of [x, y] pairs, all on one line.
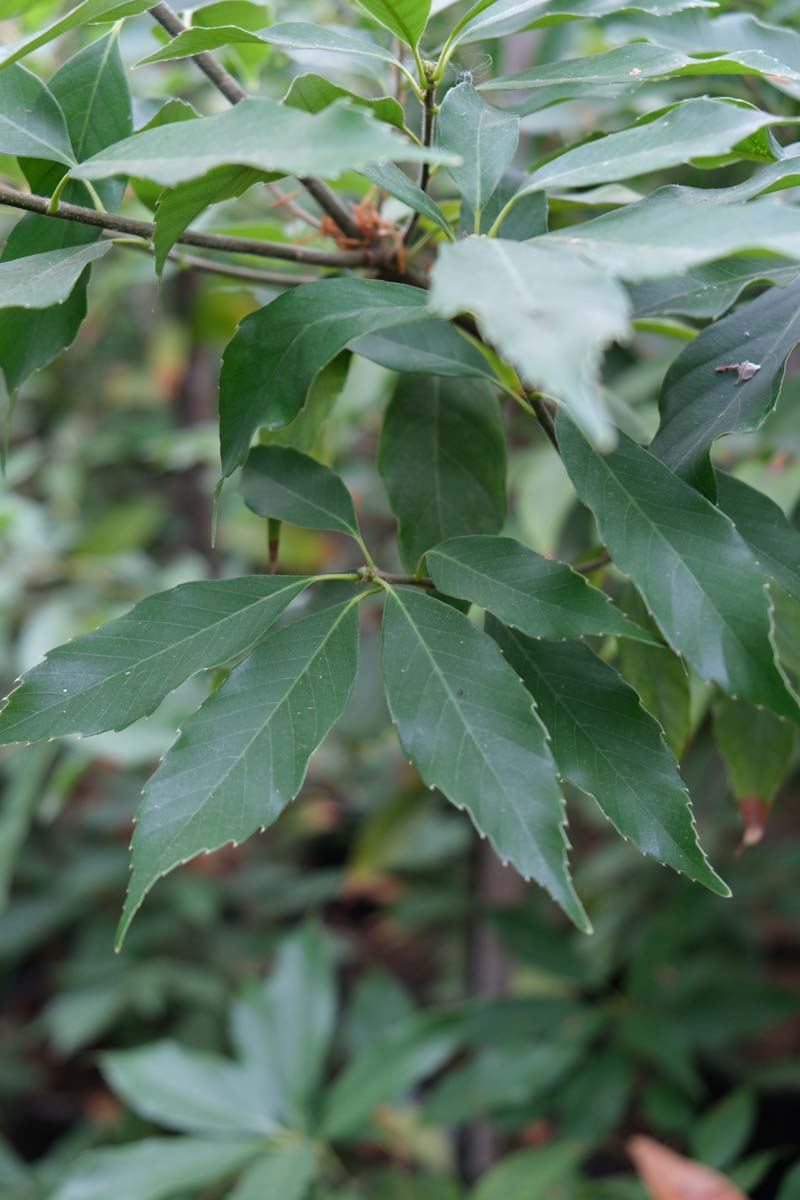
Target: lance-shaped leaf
{"points": [[442, 459], [200, 39], [484, 138], [243, 755], [39, 280], [429, 347], [756, 747], [80, 14], [261, 134], [405, 1052], [186, 1089], [470, 728], [677, 228], [637, 64], [312, 93], [543, 598], [694, 571], [282, 483], [406, 19], [551, 316], [155, 1168], [31, 121], [279, 350], [710, 390], [499, 18], [710, 290], [305, 35], [120, 672], [693, 129], [395, 181], [605, 743], [286, 1171], [774, 541]]}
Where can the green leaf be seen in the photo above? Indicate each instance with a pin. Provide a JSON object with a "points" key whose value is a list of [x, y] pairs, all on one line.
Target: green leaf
{"points": [[756, 747], [605, 743], [92, 88], [637, 64], [31, 121], [154, 1168], [307, 431], [498, 18], [81, 14], [500, 1077], [282, 483], [178, 206], [312, 93], [720, 1135], [92, 91], [484, 138], [540, 597], [123, 670], [404, 18], [387, 1066], [186, 1089], [428, 347], [528, 1174], [470, 728], [693, 129], [774, 541], [709, 291], [279, 350], [703, 397], [41, 280], [200, 39], [286, 1172], [243, 755], [550, 315], [678, 228], [261, 134], [442, 459], [393, 179], [306, 35], [283, 1029], [660, 678], [694, 571]]}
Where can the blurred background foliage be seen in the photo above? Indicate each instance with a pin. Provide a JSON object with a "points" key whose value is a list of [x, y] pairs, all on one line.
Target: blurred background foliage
{"points": [[678, 1018]]}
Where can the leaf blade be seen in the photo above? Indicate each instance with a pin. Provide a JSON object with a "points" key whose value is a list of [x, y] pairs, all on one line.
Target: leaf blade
{"points": [[698, 580], [471, 730], [209, 790], [113, 666], [605, 743], [279, 482], [540, 597]]}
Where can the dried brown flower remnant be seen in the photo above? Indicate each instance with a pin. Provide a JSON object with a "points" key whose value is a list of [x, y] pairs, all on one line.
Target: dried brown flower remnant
{"points": [[670, 1176]]}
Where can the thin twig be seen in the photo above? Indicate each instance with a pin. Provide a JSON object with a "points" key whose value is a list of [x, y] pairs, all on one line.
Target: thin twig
{"points": [[428, 125], [593, 564], [544, 417], [230, 270], [190, 237], [233, 91]]}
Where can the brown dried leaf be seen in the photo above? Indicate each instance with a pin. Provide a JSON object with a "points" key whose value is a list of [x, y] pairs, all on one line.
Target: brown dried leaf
{"points": [[670, 1176]]}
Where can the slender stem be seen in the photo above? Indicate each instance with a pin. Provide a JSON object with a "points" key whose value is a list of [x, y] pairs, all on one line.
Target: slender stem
{"points": [[273, 544], [95, 195], [233, 91], [370, 561], [230, 270], [403, 580], [428, 124], [190, 237], [593, 564], [545, 418]]}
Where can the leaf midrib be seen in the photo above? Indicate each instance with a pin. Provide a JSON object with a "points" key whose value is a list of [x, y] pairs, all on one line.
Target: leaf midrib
{"points": [[164, 650]]}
